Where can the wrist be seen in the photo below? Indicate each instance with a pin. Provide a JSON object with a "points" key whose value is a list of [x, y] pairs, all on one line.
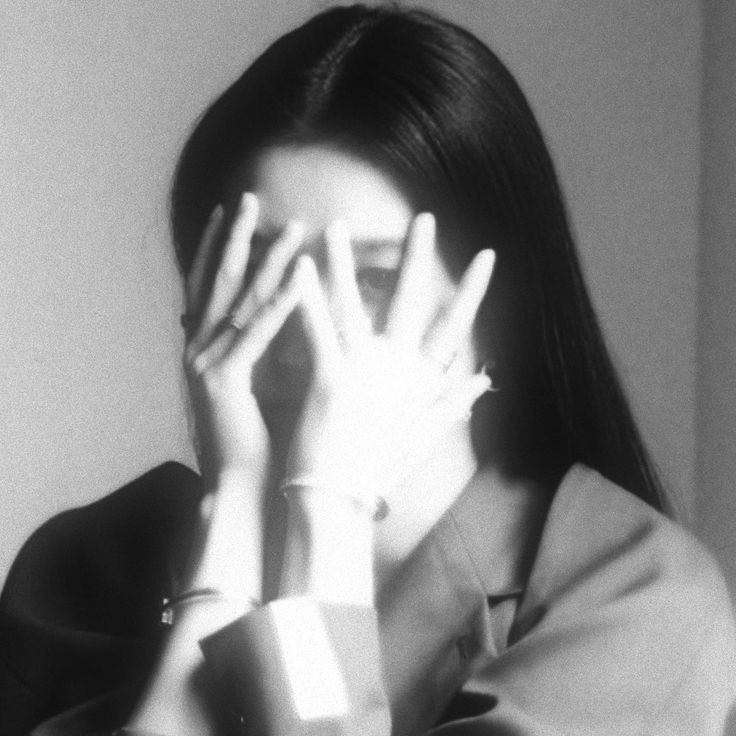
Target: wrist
{"points": [[319, 512], [211, 602], [363, 498], [228, 551], [328, 553], [250, 483]]}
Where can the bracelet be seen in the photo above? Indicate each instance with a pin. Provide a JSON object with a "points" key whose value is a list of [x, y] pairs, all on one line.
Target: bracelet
{"points": [[375, 507], [167, 605]]}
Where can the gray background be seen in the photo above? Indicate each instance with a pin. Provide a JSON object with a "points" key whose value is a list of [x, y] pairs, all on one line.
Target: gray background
{"points": [[637, 101]]}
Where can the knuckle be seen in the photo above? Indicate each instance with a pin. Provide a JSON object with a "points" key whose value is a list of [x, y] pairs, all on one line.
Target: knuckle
{"points": [[215, 382], [197, 365], [227, 275], [272, 302], [267, 307], [261, 296]]}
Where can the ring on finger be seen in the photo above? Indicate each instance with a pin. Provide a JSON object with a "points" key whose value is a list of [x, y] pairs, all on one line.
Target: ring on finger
{"points": [[236, 321], [444, 365], [241, 316]]}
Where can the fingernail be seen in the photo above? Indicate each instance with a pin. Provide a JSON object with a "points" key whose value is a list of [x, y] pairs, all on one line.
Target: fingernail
{"points": [[487, 257], [424, 225], [248, 201], [248, 212]]}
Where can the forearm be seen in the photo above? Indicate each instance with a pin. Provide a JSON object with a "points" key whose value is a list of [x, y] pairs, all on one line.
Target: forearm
{"points": [[309, 661], [226, 562], [228, 554], [328, 558]]}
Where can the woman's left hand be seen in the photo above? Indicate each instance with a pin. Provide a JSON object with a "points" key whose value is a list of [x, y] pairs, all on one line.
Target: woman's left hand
{"points": [[379, 404]]}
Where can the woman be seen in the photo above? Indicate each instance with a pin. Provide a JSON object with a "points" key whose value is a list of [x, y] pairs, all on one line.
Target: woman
{"points": [[411, 515]]}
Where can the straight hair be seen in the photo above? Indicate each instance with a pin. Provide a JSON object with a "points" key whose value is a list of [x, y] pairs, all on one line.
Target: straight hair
{"points": [[434, 109]]}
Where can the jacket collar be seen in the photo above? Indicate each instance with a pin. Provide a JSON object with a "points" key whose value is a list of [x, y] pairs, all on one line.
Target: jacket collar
{"points": [[452, 602], [496, 524]]}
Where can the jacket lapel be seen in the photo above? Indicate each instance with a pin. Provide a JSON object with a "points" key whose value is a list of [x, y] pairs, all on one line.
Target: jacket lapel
{"points": [[450, 606]]}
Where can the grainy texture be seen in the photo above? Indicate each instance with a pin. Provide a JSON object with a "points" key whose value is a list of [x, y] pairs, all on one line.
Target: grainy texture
{"points": [[96, 100]]}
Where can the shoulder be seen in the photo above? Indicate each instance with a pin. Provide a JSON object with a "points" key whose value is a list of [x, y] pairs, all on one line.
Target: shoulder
{"points": [[593, 525], [117, 544], [637, 597], [153, 504]]}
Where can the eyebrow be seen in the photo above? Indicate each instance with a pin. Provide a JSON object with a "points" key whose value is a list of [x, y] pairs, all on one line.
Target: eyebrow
{"points": [[262, 240]]}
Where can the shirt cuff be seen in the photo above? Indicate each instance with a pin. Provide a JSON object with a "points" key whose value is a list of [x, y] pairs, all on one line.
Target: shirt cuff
{"points": [[300, 666]]}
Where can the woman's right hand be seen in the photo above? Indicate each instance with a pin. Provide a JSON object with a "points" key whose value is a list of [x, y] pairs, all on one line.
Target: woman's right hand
{"points": [[231, 325], [233, 317]]}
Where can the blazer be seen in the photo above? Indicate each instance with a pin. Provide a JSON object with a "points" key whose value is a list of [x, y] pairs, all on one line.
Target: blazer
{"points": [[518, 615]]}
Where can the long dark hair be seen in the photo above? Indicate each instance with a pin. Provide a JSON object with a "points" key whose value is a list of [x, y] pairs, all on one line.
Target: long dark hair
{"points": [[436, 110]]}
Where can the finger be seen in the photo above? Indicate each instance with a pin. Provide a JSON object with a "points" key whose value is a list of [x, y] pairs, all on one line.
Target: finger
{"points": [[270, 275], [454, 407], [455, 325], [410, 309], [350, 315], [250, 344], [316, 318], [244, 347], [231, 271], [448, 411], [195, 281]]}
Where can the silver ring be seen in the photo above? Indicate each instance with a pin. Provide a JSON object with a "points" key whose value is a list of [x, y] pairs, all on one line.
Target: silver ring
{"points": [[234, 321], [443, 365]]}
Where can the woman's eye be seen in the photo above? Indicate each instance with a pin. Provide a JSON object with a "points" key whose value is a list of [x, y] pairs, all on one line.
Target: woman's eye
{"points": [[377, 279]]}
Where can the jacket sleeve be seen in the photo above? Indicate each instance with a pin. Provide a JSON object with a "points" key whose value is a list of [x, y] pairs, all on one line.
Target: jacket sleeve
{"points": [[80, 606], [302, 667]]}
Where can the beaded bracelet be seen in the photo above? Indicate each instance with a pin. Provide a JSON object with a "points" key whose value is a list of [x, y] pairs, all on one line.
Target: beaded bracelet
{"points": [[190, 596], [375, 507]]}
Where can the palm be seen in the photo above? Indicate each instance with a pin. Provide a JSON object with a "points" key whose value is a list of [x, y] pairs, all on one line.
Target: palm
{"points": [[380, 403]]}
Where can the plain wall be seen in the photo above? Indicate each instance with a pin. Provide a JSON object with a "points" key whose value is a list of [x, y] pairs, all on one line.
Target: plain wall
{"points": [[96, 99], [715, 501], [716, 392]]}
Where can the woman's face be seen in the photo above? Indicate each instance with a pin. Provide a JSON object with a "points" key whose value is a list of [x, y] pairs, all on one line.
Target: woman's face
{"points": [[316, 186]]}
